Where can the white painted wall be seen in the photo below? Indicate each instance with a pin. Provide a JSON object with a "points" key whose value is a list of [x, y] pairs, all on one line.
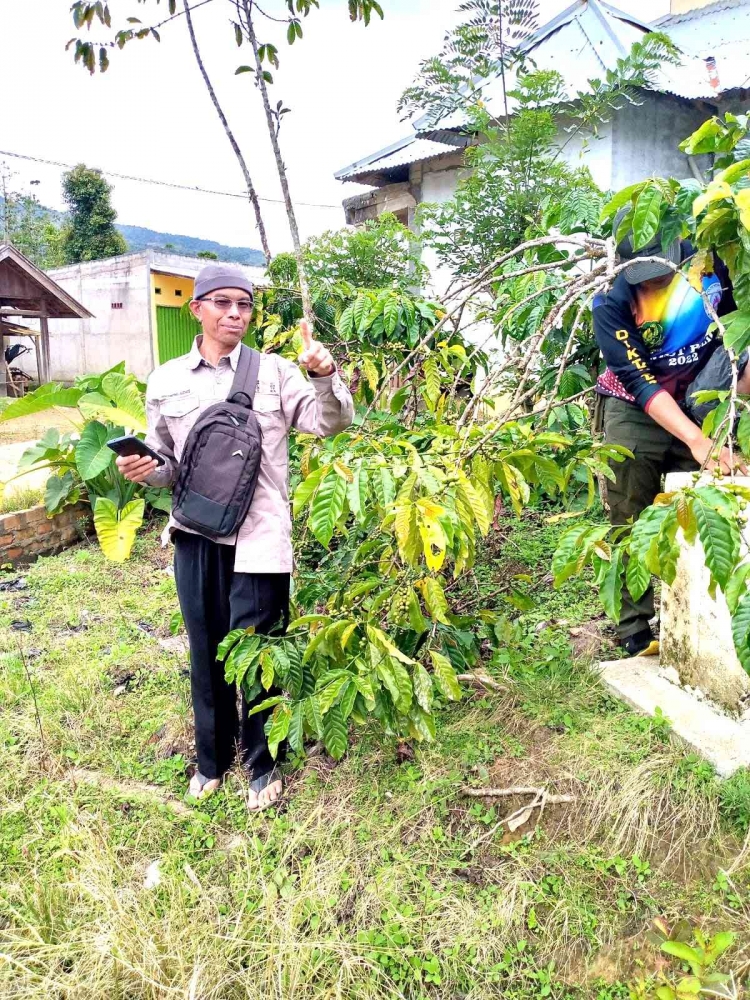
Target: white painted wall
{"points": [[593, 152], [80, 347], [646, 138]]}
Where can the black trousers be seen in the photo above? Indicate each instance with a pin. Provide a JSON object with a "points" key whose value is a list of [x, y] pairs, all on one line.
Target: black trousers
{"points": [[214, 600]]}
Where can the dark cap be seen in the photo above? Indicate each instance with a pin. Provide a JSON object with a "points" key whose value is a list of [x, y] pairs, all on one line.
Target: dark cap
{"points": [[214, 276], [643, 270]]}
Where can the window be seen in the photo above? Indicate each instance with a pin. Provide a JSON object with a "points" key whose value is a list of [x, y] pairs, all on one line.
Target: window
{"points": [[157, 291], [177, 293], [117, 305]]}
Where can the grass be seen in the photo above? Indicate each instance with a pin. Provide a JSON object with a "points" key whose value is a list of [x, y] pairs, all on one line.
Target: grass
{"points": [[20, 499], [377, 879]]}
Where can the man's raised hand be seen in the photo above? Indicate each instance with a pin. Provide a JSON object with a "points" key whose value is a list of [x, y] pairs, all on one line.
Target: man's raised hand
{"points": [[315, 357]]}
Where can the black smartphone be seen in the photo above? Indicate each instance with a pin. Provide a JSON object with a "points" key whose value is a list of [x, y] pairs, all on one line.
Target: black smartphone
{"points": [[131, 445]]}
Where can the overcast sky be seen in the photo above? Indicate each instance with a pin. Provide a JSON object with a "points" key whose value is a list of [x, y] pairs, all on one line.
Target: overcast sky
{"points": [[150, 116]]}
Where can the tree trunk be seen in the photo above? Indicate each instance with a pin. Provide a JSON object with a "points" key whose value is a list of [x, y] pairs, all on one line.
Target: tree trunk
{"points": [[251, 194], [293, 228]]}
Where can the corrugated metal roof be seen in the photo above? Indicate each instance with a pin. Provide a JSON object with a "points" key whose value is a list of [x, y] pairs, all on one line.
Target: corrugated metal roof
{"points": [[691, 15], [413, 150], [581, 43]]}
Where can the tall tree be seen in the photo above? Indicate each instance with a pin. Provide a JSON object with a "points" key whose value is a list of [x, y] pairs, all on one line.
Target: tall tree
{"points": [[251, 192], [28, 225], [244, 27], [91, 232]]}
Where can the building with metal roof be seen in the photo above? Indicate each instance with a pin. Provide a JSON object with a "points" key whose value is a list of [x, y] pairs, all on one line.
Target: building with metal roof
{"points": [[582, 43], [134, 312], [26, 292]]}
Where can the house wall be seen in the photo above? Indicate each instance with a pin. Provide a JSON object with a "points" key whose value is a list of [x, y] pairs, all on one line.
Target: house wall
{"points": [[593, 152], [117, 292], [646, 138], [167, 290]]}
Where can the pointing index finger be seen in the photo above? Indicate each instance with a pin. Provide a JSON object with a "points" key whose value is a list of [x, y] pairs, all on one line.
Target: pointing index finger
{"points": [[306, 334]]}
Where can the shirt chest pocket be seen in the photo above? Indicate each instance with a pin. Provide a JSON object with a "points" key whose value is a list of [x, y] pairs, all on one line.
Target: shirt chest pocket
{"points": [[180, 413], [267, 402]]}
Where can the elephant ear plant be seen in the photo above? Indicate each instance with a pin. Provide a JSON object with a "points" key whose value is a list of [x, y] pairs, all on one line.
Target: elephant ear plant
{"points": [[96, 408]]}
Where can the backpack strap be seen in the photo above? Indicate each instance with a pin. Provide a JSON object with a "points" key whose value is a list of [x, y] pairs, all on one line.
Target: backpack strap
{"points": [[246, 376]]}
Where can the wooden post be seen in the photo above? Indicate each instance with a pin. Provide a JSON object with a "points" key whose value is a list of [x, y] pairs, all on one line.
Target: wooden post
{"points": [[6, 373], [44, 343]]}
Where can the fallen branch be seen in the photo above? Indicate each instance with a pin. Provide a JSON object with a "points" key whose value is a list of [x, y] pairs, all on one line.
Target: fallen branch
{"points": [[520, 816], [481, 681], [497, 793]]}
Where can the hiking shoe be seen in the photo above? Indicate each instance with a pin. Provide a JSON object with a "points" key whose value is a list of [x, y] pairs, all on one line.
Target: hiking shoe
{"points": [[642, 643]]}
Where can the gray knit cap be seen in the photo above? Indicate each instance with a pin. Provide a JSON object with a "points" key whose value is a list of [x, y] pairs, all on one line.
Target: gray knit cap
{"points": [[214, 276]]}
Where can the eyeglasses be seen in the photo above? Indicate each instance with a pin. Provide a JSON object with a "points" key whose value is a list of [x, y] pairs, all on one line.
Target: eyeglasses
{"points": [[244, 305]]}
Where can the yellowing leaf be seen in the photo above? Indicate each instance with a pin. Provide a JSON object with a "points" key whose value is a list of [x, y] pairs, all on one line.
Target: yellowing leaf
{"points": [[406, 532], [476, 501], [378, 638], [434, 541], [714, 191], [742, 200], [115, 529], [697, 269], [445, 675], [370, 372], [344, 471], [435, 599], [347, 634]]}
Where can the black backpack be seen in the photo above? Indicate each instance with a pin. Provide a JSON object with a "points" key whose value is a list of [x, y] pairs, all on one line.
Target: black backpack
{"points": [[220, 463]]}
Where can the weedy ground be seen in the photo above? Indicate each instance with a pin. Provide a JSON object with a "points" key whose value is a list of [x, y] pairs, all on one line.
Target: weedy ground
{"points": [[378, 878]]}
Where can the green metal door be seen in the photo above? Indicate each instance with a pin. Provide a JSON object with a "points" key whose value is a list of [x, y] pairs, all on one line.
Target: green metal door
{"points": [[175, 332]]}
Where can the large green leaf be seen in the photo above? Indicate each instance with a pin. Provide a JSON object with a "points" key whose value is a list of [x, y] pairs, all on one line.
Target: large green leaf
{"points": [[741, 632], [623, 197], [565, 561], [646, 216], [421, 724], [737, 330], [279, 727], [92, 454], [327, 507], [307, 488], [334, 733], [296, 734], [720, 537], [385, 487], [229, 641], [637, 577], [97, 406], [357, 490], [610, 588], [49, 448], [737, 586], [116, 529], [124, 392], [645, 534], [59, 491], [44, 398], [390, 315], [158, 498]]}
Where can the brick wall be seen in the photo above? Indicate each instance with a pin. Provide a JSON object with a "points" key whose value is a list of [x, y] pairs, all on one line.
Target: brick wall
{"points": [[27, 534]]}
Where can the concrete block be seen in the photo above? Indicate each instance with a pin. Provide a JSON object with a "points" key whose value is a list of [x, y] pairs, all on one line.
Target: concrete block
{"points": [[640, 683], [696, 631]]}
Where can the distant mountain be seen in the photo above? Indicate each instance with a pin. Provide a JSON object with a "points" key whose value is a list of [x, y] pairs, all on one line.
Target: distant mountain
{"points": [[139, 238]]}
